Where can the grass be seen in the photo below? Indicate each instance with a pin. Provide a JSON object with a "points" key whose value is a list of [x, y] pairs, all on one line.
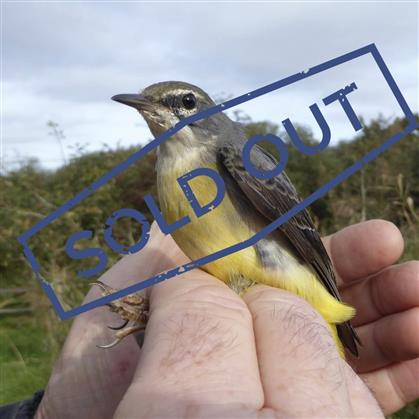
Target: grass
{"points": [[409, 412], [26, 356]]}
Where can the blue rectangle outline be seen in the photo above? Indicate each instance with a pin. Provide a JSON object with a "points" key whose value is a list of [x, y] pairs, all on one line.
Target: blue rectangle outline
{"points": [[23, 238]]}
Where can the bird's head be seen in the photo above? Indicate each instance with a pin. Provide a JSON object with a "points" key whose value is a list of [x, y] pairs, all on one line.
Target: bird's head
{"points": [[164, 104]]}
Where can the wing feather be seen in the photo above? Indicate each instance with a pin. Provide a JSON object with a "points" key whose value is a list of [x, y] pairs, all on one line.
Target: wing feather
{"points": [[274, 197]]}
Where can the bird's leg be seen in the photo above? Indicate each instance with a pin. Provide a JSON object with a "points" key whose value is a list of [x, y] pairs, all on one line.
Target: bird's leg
{"points": [[240, 284], [133, 307]]}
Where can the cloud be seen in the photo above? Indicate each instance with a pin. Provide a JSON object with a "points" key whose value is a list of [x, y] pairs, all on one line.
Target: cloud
{"points": [[63, 61]]}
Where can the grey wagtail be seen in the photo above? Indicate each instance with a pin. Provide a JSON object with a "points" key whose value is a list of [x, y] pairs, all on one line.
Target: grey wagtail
{"points": [[292, 257]]}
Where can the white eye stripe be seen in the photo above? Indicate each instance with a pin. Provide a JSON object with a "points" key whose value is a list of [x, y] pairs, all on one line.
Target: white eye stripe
{"points": [[182, 92]]}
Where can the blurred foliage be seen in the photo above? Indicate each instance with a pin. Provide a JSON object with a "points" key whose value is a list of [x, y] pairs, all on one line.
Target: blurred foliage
{"points": [[390, 183], [30, 193], [386, 188]]}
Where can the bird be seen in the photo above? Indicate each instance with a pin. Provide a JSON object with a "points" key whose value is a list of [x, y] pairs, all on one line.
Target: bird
{"points": [[292, 257]]}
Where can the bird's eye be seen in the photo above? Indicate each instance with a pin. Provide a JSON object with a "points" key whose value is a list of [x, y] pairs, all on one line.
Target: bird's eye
{"points": [[189, 101]]}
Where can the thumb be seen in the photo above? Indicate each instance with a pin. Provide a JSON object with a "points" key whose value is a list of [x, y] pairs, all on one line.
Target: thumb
{"points": [[301, 371]]}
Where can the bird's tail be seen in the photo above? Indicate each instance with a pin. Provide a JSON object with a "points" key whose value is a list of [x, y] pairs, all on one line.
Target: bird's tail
{"points": [[337, 314]]}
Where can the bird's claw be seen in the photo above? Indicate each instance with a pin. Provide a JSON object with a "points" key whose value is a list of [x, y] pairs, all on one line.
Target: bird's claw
{"points": [[121, 335], [133, 307], [119, 327]]}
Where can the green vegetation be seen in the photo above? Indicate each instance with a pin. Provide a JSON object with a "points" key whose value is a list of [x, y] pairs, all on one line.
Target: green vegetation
{"points": [[387, 188], [26, 356]]}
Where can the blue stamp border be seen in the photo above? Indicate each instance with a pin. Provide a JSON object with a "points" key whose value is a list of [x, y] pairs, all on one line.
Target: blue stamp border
{"points": [[369, 49]]}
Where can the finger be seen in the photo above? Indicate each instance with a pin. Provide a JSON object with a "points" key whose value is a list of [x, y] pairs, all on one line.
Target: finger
{"points": [[392, 290], [199, 350], [160, 253], [113, 369], [364, 404], [297, 356], [395, 386], [364, 249], [83, 370], [128, 270], [392, 339]]}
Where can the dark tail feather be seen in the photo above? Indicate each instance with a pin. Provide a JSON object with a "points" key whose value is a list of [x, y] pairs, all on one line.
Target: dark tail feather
{"points": [[348, 337]]}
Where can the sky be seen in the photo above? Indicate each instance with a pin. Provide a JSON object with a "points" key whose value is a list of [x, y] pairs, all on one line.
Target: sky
{"points": [[62, 61]]}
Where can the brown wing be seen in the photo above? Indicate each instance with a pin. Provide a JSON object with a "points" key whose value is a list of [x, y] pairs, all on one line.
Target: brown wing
{"points": [[274, 197]]}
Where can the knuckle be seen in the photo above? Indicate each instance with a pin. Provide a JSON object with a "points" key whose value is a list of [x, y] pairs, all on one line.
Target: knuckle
{"points": [[197, 326], [281, 305], [295, 320], [415, 322], [413, 270], [210, 298]]}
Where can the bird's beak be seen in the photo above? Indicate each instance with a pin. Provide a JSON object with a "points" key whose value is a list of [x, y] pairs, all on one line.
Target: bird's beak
{"points": [[135, 100]]}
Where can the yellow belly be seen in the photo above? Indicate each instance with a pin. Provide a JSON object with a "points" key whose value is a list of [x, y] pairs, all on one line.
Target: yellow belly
{"points": [[209, 233], [218, 229]]}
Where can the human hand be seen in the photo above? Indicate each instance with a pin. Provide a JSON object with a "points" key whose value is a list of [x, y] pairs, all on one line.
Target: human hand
{"points": [[88, 382], [386, 298], [186, 334]]}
